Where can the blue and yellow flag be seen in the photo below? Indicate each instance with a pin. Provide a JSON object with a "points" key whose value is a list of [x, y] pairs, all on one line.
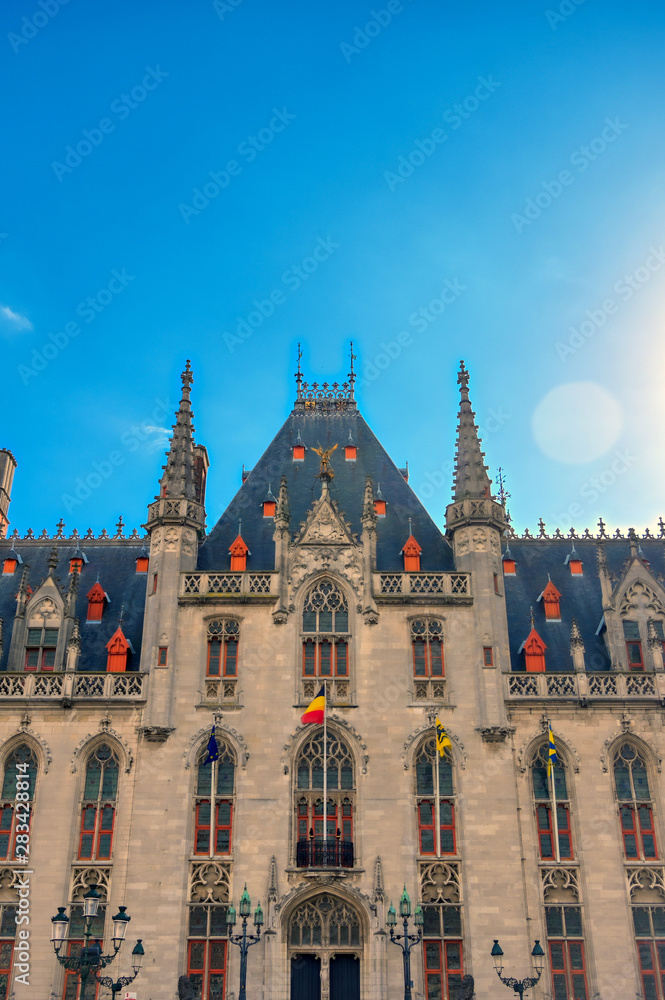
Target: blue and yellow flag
{"points": [[551, 755], [442, 738], [213, 749]]}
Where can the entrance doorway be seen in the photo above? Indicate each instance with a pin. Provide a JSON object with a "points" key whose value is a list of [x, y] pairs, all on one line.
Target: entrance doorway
{"points": [[305, 977], [344, 977]]}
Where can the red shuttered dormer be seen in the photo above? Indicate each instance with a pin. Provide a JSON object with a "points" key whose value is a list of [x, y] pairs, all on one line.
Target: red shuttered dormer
{"points": [[97, 598], [118, 649], [10, 564], [508, 563], [269, 504], [411, 553], [551, 598], [142, 564], [239, 553], [534, 652]]}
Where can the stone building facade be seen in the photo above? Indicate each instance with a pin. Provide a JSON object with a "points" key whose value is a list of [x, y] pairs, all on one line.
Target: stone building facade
{"points": [[118, 654]]}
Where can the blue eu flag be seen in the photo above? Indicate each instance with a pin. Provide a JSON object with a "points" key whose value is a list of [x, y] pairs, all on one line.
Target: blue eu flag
{"points": [[213, 749]]}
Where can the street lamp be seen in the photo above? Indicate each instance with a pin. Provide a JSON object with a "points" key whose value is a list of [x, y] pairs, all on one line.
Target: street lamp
{"points": [[519, 985], [137, 959], [406, 941], [244, 940], [91, 960]]}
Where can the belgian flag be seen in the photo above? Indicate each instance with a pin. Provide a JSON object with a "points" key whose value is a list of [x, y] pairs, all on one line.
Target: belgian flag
{"points": [[317, 709]]}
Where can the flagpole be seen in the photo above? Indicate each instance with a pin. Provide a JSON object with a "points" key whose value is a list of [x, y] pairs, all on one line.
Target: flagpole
{"points": [[325, 768], [437, 804], [555, 819]]}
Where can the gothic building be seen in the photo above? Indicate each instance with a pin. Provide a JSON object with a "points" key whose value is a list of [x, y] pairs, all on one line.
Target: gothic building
{"points": [[118, 654]]}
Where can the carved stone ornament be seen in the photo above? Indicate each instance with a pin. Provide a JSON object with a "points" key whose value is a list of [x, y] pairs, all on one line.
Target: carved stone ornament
{"points": [[170, 539], [495, 734], [324, 525], [156, 734], [210, 882], [440, 882], [646, 884], [188, 544], [83, 878], [635, 739], [20, 737], [408, 745], [307, 562], [224, 732], [126, 754], [361, 757], [570, 755], [46, 610], [640, 596], [560, 885]]}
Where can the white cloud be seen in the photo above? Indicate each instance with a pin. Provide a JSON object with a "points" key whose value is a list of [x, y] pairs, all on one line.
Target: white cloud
{"points": [[161, 440], [15, 319]]}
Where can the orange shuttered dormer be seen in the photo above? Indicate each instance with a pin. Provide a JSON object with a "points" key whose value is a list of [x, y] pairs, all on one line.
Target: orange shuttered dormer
{"points": [[97, 597], [534, 652], [239, 553], [118, 648], [508, 563], [411, 553], [551, 598]]}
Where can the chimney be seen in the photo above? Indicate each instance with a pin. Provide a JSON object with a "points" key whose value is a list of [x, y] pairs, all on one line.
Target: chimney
{"points": [[7, 469]]}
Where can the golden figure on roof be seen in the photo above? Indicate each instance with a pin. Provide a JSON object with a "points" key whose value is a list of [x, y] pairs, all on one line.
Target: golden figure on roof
{"points": [[325, 454]]}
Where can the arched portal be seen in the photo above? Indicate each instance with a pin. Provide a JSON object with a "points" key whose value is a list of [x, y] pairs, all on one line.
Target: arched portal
{"points": [[325, 947]]}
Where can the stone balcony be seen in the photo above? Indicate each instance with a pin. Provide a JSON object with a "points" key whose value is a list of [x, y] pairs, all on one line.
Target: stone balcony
{"points": [[590, 687], [437, 588], [68, 687], [202, 587]]}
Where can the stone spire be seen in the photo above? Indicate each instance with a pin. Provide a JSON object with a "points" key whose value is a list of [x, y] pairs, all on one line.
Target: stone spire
{"points": [[471, 479], [178, 478]]}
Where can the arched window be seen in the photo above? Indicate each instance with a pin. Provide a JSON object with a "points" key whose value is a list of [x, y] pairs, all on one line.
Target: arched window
{"points": [[18, 793], [635, 806], [325, 625], [549, 821], [41, 646], [443, 945], [324, 922], [435, 801], [565, 934], [215, 789], [332, 848], [223, 637], [98, 809], [427, 642]]}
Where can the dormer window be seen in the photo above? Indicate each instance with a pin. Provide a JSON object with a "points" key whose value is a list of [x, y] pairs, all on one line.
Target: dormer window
{"points": [[574, 563], [411, 553], [534, 652], [379, 502], [508, 564], [631, 634], [299, 453], [40, 648], [550, 598], [75, 564], [118, 649], [97, 598], [350, 450], [10, 564], [142, 564], [239, 552], [269, 504]]}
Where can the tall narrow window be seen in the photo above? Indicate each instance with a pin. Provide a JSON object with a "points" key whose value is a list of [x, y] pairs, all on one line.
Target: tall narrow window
{"points": [[41, 648], [331, 847], [98, 808], [8, 915], [325, 626], [566, 951], [215, 788], [77, 928], [649, 924], [223, 648], [435, 801], [631, 634], [443, 949], [549, 821], [207, 951], [18, 793], [635, 806], [427, 644]]}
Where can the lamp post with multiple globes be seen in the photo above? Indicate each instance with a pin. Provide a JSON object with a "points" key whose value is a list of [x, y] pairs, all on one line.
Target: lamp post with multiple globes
{"points": [[406, 941]]}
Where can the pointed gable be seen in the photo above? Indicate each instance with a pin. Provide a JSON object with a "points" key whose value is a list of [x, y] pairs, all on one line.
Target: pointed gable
{"points": [[534, 648], [239, 552], [411, 551], [97, 598], [551, 598], [118, 649]]}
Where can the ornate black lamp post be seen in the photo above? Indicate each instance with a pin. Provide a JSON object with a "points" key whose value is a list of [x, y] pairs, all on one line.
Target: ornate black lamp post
{"points": [[119, 984], [520, 985], [91, 960], [244, 940], [406, 941]]}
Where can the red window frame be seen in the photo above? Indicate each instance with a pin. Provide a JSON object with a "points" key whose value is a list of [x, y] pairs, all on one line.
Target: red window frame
{"points": [[447, 825], [95, 830], [636, 827], [9, 822], [634, 654], [206, 971], [545, 829], [565, 968], [428, 659], [651, 967], [441, 963], [142, 564], [339, 817], [222, 659], [202, 827], [70, 989], [162, 656], [326, 658]]}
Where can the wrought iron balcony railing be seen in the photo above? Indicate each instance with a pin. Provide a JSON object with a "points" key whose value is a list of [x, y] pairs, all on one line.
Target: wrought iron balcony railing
{"points": [[315, 852]]}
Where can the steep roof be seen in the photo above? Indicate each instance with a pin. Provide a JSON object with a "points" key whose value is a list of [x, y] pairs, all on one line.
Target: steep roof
{"points": [[347, 488]]}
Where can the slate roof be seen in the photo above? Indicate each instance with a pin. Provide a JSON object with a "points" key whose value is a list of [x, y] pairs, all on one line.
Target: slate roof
{"points": [[580, 595], [114, 561], [346, 489]]}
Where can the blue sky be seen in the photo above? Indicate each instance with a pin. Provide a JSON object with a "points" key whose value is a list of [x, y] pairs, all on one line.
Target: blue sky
{"points": [[482, 181]]}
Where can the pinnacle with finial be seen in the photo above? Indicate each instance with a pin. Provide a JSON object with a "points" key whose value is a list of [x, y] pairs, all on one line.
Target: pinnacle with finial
{"points": [[575, 635]]}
